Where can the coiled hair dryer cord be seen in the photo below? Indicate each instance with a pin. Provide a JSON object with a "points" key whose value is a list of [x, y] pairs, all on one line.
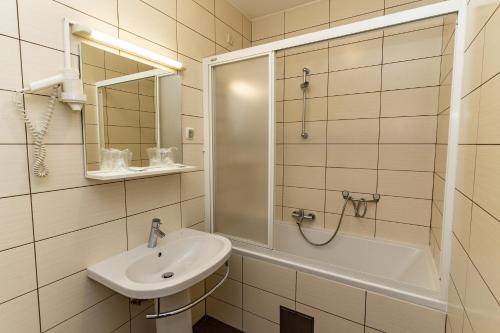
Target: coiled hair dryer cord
{"points": [[38, 131]]}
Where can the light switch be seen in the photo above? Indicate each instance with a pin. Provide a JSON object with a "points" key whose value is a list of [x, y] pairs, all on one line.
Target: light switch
{"points": [[189, 133]]}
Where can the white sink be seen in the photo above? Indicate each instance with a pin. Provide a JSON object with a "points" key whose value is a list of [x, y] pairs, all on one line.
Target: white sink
{"points": [[139, 273]]}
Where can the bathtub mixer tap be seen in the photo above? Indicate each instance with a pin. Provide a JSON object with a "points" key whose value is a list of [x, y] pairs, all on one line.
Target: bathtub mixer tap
{"points": [[360, 208], [360, 205]]}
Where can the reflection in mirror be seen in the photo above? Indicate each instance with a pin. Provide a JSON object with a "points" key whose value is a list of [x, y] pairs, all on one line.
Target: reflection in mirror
{"points": [[132, 116]]}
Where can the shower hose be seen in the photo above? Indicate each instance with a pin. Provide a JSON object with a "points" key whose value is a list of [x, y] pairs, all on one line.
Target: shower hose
{"points": [[299, 223]]}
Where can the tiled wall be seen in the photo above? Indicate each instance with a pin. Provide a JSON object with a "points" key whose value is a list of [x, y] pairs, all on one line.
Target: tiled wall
{"points": [[128, 108], [372, 119], [52, 228], [474, 292], [251, 298]]}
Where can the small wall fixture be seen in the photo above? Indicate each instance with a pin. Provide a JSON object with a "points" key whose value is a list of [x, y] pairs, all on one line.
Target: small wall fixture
{"points": [[97, 36]]}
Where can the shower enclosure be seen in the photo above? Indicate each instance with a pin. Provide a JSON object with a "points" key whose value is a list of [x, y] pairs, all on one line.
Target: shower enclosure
{"points": [[360, 119]]}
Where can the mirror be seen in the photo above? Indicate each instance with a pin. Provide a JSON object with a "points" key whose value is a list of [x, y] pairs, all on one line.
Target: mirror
{"points": [[132, 116]]}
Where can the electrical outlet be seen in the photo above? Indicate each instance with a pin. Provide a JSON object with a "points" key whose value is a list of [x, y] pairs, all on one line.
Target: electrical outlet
{"points": [[189, 133]]}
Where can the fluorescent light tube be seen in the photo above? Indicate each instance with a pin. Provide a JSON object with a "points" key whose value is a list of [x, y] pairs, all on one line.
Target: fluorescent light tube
{"points": [[86, 32]]}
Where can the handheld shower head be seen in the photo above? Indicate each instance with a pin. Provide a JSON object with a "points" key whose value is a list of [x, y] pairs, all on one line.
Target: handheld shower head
{"points": [[305, 83]]}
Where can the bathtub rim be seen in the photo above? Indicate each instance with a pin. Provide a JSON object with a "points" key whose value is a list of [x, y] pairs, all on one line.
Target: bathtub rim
{"points": [[305, 265]]}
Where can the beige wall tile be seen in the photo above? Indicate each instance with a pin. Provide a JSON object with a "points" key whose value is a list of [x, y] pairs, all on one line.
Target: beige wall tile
{"points": [[411, 74], [235, 268], [224, 312], [413, 45], [16, 227], [69, 296], [11, 77], [361, 54], [305, 155], [354, 106], [312, 199], [18, 272], [14, 174], [192, 184], [298, 176], [144, 21], [325, 322], [469, 117], [465, 169], [405, 183], [193, 211], [106, 11], [192, 74], [462, 218], [166, 6], [67, 254], [264, 304], [12, 128], [455, 310], [347, 82], [473, 65], [192, 44], [20, 315], [353, 180], [273, 278], [491, 65], [192, 102], [104, 317], [408, 130], [480, 305], [59, 212], [197, 18], [417, 157], [149, 193], [353, 131], [307, 15], [247, 29], [328, 295], [227, 37], [8, 18], [389, 314], [405, 210], [358, 37], [401, 232], [352, 155], [193, 155], [484, 247], [256, 324], [410, 102], [227, 13], [488, 130], [268, 26], [315, 61], [139, 226], [487, 180], [305, 48], [341, 9]]}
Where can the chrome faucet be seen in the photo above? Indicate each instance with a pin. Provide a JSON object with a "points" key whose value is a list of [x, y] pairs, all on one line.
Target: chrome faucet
{"points": [[155, 233]]}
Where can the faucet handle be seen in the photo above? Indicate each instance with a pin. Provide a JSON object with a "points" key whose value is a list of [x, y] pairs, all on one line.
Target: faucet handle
{"points": [[156, 222]]}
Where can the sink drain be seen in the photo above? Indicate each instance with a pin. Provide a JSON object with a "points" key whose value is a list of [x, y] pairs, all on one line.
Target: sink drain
{"points": [[167, 275]]}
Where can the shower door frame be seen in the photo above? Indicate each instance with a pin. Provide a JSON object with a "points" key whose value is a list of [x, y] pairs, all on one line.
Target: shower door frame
{"points": [[457, 7]]}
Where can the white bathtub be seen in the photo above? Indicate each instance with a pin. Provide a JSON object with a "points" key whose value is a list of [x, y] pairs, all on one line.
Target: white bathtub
{"points": [[397, 270]]}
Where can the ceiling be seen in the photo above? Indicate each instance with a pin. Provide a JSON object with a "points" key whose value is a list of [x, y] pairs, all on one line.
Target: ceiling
{"points": [[256, 8]]}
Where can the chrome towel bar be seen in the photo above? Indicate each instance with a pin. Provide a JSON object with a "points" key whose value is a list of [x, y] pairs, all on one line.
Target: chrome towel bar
{"points": [[160, 314]]}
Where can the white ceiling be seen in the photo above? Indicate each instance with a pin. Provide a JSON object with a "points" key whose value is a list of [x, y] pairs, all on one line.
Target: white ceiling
{"points": [[256, 8]]}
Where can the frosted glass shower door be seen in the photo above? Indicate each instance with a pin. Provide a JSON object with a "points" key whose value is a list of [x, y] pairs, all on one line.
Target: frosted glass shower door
{"points": [[241, 149]]}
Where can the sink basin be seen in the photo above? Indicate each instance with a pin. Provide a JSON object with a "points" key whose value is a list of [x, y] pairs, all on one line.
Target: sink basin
{"points": [[185, 258]]}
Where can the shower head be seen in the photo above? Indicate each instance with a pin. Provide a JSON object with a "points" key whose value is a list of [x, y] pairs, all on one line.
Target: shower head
{"points": [[305, 83]]}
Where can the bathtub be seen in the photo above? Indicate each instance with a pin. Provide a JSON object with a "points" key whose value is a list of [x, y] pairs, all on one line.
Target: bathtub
{"points": [[397, 270]]}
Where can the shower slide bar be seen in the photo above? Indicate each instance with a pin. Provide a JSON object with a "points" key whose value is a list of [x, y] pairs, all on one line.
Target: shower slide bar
{"points": [[304, 86]]}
